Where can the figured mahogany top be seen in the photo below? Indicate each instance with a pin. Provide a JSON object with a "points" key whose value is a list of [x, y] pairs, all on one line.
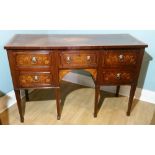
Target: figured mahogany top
{"points": [[73, 41]]}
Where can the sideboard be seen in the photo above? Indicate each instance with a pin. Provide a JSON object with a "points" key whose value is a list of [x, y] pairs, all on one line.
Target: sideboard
{"points": [[41, 61]]}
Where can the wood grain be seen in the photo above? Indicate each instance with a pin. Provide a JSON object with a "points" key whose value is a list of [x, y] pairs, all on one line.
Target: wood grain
{"points": [[73, 41], [34, 79], [117, 76], [32, 60], [79, 58], [120, 57]]}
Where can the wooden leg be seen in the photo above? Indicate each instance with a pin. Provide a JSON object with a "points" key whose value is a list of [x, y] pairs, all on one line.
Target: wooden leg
{"points": [[132, 92], [97, 91], [117, 91], [26, 95], [19, 104], [58, 103]]}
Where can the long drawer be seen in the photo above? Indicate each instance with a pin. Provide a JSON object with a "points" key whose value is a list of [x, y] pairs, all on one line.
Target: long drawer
{"points": [[78, 59]]}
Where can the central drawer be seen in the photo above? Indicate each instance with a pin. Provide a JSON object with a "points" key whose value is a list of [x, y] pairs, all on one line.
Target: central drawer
{"points": [[78, 59], [35, 79]]}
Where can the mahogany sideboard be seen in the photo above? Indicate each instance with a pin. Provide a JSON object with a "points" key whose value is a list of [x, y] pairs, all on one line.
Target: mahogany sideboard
{"points": [[41, 61]]}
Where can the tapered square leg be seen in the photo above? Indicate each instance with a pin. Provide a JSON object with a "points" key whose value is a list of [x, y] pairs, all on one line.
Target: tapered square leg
{"points": [[26, 95], [97, 91], [117, 91], [58, 103], [19, 104], [132, 92], [0, 122]]}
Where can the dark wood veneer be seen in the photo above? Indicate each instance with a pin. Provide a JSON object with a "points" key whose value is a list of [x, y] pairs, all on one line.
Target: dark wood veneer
{"points": [[40, 62]]}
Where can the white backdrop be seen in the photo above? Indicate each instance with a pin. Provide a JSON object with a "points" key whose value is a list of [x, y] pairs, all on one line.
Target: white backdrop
{"points": [[77, 14]]}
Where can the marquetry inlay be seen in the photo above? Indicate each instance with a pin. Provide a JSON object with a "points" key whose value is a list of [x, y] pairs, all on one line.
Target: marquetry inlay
{"points": [[124, 58], [33, 60], [28, 80]]}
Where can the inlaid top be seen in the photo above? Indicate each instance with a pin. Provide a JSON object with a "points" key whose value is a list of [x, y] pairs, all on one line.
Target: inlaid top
{"points": [[73, 41]]}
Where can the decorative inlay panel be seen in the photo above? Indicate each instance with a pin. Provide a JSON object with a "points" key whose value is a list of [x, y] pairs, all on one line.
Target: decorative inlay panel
{"points": [[120, 58], [63, 72], [93, 72], [33, 60], [78, 59], [35, 79], [119, 76]]}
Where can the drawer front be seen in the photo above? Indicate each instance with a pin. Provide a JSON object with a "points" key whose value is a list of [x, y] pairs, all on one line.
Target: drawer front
{"points": [[78, 60], [32, 59], [117, 76], [120, 58], [35, 79]]}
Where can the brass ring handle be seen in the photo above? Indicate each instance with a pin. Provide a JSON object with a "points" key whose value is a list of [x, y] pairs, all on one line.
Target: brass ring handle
{"points": [[121, 57], [118, 76], [36, 78], [88, 57], [34, 59], [68, 59]]}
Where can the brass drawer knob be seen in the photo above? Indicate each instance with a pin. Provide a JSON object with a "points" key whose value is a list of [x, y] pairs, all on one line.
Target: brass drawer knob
{"points": [[121, 57], [34, 59], [68, 59], [88, 58], [118, 76], [36, 78]]}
